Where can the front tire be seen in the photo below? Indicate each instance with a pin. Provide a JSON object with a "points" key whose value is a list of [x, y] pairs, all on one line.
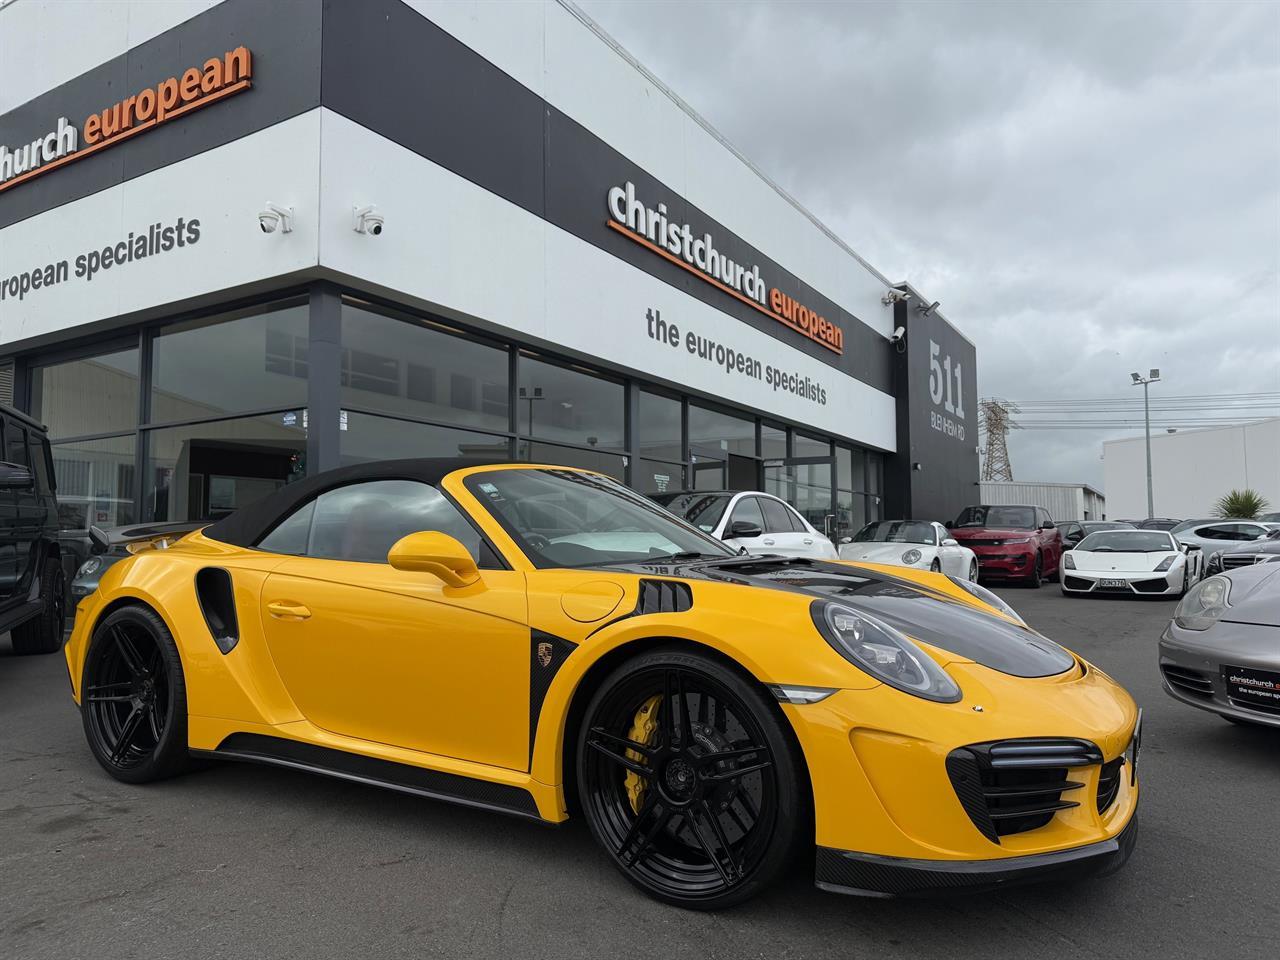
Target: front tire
{"points": [[689, 780], [43, 633], [973, 571], [935, 567], [134, 698], [1037, 573]]}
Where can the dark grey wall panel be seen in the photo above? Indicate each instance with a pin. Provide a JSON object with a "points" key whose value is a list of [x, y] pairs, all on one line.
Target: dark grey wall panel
{"points": [[284, 37], [393, 71]]}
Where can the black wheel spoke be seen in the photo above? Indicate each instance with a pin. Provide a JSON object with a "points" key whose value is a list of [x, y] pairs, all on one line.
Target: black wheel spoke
{"points": [[736, 817], [620, 758], [644, 836], [153, 718], [129, 653], [749, 805], [738, 772], [127, 732], [737, 753], [103, 687], [108, 697], [717, 829], [707, 848], [679, 708], [643, 749]]}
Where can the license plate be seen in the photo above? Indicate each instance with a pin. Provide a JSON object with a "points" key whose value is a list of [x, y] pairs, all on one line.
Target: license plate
{"points": [[1113, 584], [1255, 687]]}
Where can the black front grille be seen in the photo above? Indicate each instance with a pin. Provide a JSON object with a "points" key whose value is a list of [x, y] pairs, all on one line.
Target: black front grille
{"points": [[1109, 783], [1255, 705], [1077, 583], [1230, 560], [1188, 681], [1151, 586], [1012, 786]]}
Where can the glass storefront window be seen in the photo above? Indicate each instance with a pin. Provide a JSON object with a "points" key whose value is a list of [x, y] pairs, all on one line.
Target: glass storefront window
{"points": [[811, 446], [206, 470], [720, 431], [214, 366], [400, 366], [363, 437], [657, 476], [773, 442], [82, 397], [598, 460], [658, 432], [95, 482], [559, 403]]}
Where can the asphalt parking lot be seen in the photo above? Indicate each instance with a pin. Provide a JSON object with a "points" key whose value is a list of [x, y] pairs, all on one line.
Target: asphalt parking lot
{"points": [[243, 861]]}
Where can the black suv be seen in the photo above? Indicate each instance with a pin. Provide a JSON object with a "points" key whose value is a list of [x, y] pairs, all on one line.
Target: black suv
{"points": [[32, 584]]}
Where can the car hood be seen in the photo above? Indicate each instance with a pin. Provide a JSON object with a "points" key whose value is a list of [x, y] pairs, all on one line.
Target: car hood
{"points": [[949, 624], [880, 552], [1001, 533], [1106, 561], [1255, 595]]}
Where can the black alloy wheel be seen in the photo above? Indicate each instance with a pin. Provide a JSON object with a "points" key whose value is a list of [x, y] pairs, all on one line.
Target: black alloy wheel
{"points": [[973, 571], [1037, 573], [133, 698], [43, 633], [689, 780]]}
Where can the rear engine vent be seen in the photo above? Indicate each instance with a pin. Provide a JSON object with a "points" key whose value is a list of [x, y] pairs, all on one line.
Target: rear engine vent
{"points": [[1012, 786], [1109, 783], [1232, 560], [217, 603], [1187, 681], [663, 596]]}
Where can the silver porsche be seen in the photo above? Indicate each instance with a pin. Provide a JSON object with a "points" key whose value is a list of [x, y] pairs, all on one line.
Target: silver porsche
{"points": [[1221, 651]]}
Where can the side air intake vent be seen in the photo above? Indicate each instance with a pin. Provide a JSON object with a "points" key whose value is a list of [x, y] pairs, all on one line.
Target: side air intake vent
{"points": [[663, 596], [217, 603]]}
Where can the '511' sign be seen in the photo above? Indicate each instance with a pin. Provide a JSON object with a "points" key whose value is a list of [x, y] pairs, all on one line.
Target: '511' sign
{"points": [[943, 374]]}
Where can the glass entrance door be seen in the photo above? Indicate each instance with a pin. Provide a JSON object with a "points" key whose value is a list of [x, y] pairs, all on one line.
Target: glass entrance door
{"points": [[807, 483]]}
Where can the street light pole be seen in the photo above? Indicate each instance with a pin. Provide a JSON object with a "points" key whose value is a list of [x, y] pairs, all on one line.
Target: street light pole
{"points": [[1153, 377]]}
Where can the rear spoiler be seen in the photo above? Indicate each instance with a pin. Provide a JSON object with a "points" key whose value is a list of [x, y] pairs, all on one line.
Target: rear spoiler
{"points": [[103, 540]]}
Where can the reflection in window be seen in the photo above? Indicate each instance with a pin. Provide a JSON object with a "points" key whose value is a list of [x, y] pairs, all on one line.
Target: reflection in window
{"points": [[553, 455], [658, 427], [365, 437], [557, 403], [811, 446], [656, 476], [205, 471], [363, 521], [82, 397], [401, 366], [773, 442], [210, 367], [95, 482], [719, 431]]}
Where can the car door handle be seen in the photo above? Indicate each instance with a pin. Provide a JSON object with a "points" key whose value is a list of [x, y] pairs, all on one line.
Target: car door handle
{"points": [[808, 541], [287, 611], [768, 542]]}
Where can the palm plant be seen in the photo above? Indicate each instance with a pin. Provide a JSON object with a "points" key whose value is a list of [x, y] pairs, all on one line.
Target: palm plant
{"points": [[1241, 505]]}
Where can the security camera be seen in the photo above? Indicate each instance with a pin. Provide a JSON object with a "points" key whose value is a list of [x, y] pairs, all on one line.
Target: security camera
{"points": [[926, 311], [898, 334], [276, 217], [368, 220], [895, 296]]}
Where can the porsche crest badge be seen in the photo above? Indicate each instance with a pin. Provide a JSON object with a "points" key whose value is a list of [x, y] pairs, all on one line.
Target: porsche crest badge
{"points": [[544, 654]]}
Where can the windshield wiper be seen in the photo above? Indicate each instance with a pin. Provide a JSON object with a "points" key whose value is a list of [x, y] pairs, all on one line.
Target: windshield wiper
{"points": [[678, 557]]}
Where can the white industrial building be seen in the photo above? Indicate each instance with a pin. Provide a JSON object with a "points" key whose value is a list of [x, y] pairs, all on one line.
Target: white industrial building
{"points": [[1191, 469], [1064, 501]]}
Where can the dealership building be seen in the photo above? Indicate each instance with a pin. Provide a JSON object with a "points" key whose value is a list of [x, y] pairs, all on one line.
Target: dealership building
{"points": [[242, 242]]}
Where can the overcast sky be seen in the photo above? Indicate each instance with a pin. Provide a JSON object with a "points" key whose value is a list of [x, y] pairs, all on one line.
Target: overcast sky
{"points": [[1089, 189]]}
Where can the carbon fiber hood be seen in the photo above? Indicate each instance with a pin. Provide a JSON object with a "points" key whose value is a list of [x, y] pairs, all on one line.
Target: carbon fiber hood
{"points": [[916, 611]]}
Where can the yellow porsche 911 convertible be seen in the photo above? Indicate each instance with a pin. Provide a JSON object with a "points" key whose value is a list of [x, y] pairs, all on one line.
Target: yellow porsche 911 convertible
{"points": [[544, 642]]}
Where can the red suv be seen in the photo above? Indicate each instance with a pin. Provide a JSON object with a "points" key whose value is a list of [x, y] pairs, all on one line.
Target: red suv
{"points": [[1013, 542]]}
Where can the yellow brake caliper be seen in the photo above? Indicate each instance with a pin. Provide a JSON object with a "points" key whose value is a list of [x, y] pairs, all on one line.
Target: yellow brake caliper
{"points": [[643, 727]]}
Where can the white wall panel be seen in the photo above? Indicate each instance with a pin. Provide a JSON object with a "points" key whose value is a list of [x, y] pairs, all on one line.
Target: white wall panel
{"points": [[44, 43], [223, 188]]}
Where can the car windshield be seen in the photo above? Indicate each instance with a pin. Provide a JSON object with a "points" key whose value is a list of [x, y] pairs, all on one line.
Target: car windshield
{"points": [[1099, 525], [703, 510], [1188, 524], [897, 531], [1127, 541], [1023, 518], [563, 518]]}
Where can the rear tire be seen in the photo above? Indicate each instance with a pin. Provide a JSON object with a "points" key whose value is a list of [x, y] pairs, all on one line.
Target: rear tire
{"points": [[685, 828], [973, 571], [133, 698], [43, 632]]}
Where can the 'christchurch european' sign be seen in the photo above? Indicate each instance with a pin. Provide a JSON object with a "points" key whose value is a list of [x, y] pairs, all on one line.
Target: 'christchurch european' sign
{"points": [[676, 242]]}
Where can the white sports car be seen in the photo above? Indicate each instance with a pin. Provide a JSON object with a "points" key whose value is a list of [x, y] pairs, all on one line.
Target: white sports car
{"points": [[1150, 562], [921, 544]]}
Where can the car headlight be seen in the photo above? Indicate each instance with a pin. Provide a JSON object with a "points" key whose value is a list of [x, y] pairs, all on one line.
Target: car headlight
{"points": [[1204, 604], [1165, 564], [89, 567], [987, 597], [1068, 561], [883, 652], [910, 557], [1018, 540]]}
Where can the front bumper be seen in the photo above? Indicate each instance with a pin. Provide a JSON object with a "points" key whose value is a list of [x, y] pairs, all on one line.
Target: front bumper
{"points": [[1146, 584], [868, 875], [1192, 666], [1013, 560]]}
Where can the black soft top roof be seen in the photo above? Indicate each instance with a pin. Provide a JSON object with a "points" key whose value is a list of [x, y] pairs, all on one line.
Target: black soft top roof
{"points": [[248, 525]]}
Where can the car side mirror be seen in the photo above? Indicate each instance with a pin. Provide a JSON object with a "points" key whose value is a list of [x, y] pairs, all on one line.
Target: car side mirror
{"points": [[951, 542], [14, 477], [1047, 525], [846, 539], [1192, 546], [744, 529], [437, 554]]}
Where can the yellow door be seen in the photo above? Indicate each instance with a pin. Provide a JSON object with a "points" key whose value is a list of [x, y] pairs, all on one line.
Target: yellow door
{"points": [[399, 658]]}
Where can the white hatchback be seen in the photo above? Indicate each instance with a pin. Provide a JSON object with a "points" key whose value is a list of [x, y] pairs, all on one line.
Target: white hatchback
{"points": [[757, 522]]}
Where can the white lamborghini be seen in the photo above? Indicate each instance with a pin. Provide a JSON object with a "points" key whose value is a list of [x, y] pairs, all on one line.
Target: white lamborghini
{"points": [[1149, 562]]}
